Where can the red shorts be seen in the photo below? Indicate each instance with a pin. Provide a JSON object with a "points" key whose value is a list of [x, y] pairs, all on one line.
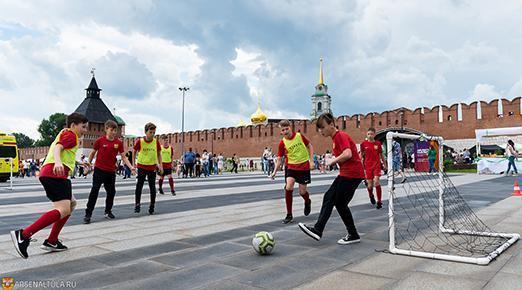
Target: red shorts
{"points": [[373, 171]]}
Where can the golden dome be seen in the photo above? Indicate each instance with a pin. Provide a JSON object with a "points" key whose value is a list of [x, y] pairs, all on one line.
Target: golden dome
{"points": [[258, 117]]}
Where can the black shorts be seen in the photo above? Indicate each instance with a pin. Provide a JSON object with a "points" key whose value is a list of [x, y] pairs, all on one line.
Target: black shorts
{"points": [[300, 176], [57, 189], [166, 172]]}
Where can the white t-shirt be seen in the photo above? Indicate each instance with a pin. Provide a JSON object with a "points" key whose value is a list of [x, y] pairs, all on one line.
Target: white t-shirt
{"points": [[510, 151]]}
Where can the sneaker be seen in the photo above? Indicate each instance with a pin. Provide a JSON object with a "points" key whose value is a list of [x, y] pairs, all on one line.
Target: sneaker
{"points": [[308, 207], [173, 192], [372, 199], [109, 215], [161, 191], [137, 208], [379, 205], [151, 210], [288, 219], [20, 242], [404, 180], [56, 247], [310, 231], [86, 219], [349, 239]]}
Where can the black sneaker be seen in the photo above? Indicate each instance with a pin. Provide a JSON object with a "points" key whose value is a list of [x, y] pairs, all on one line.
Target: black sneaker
{"points": [[56, 247], [379, 205], [173, 192], [349, 239], [372, 199], [151, 210], [404, 180], [20, 242], [308, 207], [310, 231], [288, 219], [109, 215], [161, 191], [137, 208], [86, 219]]}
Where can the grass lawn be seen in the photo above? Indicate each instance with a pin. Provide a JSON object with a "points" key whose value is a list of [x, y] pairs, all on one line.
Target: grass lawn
{"points": [[471, 170]]}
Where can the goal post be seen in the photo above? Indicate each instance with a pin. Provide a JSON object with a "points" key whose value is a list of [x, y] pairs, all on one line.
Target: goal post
{"points": [[429, 218]]}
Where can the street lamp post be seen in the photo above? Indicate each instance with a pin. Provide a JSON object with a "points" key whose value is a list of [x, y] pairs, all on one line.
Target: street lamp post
{"points": [[183, 90]]}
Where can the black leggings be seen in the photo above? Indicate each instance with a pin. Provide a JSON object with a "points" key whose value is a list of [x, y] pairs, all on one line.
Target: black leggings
{"points": [[339, 195], [108, 179], [151, 177]]}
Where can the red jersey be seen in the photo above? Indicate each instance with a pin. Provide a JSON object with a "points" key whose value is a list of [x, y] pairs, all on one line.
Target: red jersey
{"points": [[137, 147], [68, 141], [283, 152], [352, 168], [372, 153], [168, 165], [107, 151]]}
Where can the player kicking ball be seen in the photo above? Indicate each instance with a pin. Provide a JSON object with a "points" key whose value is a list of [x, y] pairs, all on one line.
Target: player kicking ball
{"points": [[343, 188]]}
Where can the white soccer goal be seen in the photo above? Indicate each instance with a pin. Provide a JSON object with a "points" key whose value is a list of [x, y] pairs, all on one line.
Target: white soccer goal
{"points": [[429, 218]]}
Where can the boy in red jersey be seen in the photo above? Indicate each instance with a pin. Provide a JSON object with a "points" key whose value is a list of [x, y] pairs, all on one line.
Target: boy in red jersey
{"points": [[166, 157], [372, 157], [298, 153], [59, 163], [105, 149], [343, 188], [148, 150]]}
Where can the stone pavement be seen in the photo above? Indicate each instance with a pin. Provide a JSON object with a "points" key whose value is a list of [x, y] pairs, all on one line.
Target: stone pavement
{"points": [[201, 239]]}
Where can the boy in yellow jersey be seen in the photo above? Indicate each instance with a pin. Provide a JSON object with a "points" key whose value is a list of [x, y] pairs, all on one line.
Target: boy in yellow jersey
{"points": [[59, 163], [148, 150], [298, 153], [166, 157]]}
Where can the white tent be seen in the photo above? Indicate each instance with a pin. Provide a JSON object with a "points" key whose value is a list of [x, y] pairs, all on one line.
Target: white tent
{"points": [[497, 136]]}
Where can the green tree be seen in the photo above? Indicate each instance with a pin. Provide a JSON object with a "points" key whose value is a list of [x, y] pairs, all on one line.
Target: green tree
{"points": [[49, 128], [23, 141]]}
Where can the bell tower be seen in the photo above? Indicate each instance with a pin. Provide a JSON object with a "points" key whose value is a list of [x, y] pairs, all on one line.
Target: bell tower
{"points": [[321, 101]]}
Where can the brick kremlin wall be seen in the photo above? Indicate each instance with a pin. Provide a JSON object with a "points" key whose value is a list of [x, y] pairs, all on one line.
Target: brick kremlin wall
{"points": [[249, 141]]}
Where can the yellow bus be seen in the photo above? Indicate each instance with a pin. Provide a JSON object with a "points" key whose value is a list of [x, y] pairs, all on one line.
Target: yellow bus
{"points": [[8, 149]]}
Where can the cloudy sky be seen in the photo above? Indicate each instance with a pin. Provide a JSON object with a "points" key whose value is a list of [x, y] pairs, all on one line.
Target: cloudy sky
{"points": [[378, 55]]}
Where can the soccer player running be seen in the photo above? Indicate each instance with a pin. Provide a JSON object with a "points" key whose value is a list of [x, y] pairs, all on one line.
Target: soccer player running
{"points": [[148, 150], [59, 163], [298, 153], [106, 148], [166, 159], [343, 188], [372, 157]]}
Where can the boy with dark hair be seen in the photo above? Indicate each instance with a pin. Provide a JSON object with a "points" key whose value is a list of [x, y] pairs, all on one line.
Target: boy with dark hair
{"points": [[59, 163], [105, 149], [166, 158], [148, 150], [343, 188], [372, 157], [298, 153]]}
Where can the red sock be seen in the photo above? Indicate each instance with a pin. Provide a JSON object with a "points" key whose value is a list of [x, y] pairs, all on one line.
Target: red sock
{"points": [[45, 220], [370, 191], [288, 199], [160, 183], [171, 183], [379, 193], [55, 231], [306, 196]]}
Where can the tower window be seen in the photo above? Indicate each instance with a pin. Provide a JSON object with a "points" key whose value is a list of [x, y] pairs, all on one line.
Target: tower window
{"points": [[380, 123], [319, 106], [450, 117], [396, 122]]}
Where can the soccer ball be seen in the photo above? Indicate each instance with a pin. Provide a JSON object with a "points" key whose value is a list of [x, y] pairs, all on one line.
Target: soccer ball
{"points": [[263, 243]]}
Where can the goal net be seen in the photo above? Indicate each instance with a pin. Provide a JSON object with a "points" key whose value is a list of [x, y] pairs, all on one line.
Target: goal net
{"points": [[428, 217]]}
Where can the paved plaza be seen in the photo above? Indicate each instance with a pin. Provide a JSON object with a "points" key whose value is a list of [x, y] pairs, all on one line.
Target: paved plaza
{"points": [[201, 239]]}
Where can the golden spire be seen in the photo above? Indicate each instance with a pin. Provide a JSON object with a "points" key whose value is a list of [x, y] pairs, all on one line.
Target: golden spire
{"points": [[321, 79]]}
